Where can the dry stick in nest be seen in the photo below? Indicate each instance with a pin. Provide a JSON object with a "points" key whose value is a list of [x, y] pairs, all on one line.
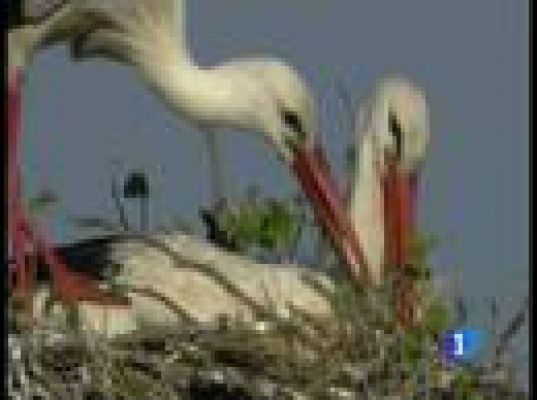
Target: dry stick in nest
{"points": [[216, 345], [208, 355], [185, 317], [318, 343], [33, 374], [513, 327]]}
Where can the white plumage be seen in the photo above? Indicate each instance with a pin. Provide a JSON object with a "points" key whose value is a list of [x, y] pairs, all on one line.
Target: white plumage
{"points": [[398, 98]]}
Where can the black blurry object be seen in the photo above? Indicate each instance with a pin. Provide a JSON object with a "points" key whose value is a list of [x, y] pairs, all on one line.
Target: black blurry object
{"points": [[216, 391], [12, 12], [22, 12], [136, 186], [215, 233]]}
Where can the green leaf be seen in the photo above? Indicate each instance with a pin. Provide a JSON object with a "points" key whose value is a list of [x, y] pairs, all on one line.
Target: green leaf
{"points": [[421, 246], [436, 318], [463, 385], [269, 224], [42, 202], [412, 348]]}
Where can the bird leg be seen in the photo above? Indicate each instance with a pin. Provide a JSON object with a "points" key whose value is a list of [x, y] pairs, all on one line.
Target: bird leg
{"points": [[69, 286], [18, 240], [216, 169]]}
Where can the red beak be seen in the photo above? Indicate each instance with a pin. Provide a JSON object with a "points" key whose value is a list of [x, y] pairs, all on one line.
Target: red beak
{"points": [[313, 173], [400, 190]]}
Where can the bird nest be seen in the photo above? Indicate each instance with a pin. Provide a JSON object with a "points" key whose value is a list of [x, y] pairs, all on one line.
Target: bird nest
{"points": [[354, 354]]}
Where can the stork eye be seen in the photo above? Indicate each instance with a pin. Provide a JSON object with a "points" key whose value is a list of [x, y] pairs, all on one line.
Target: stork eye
{"points": [[292, 120], [397, 132]]}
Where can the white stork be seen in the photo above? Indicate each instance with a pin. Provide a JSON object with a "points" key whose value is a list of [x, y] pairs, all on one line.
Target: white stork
{"points": [[259, 95], [391, 137]]}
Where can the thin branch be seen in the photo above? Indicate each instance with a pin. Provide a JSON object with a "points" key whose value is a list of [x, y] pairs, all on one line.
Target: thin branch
{"points": [[512, 328], [115, 193]]}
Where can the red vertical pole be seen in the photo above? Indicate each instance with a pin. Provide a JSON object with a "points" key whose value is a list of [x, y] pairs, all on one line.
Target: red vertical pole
{"points": [[14, 190]]}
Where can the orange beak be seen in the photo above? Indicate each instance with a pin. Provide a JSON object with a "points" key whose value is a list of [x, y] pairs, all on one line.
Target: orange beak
{"points": [[400, 188], [313, 173]]}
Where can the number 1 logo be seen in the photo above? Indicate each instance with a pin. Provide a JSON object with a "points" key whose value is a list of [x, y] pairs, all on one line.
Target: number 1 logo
{"points": [[458, 338]]}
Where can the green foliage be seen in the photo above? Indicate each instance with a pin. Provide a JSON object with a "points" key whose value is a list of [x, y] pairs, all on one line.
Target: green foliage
{"points": [[42, 202], [412, 348], [270, 225], [421, 247], [436, 318], [463, 385], [344, 299]]}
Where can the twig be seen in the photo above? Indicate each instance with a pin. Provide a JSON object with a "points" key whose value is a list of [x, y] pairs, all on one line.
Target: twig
{"points": [[123, 220], [513, 327]]}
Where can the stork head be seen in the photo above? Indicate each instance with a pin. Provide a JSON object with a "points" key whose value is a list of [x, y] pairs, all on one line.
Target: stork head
{"points": [[397, 122], [291, 129]]}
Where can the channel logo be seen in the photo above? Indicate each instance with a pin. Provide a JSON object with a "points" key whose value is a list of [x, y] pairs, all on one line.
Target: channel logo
{"points": [[461, 345]]}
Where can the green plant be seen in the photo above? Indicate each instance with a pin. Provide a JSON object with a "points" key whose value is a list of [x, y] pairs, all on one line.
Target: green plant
{"points": [[267, 225], [464, 384], [42, 202]]}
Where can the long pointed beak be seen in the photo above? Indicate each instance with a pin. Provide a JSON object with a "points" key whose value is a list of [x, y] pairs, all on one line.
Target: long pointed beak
{"points": [[400, 189], [313, 173]]}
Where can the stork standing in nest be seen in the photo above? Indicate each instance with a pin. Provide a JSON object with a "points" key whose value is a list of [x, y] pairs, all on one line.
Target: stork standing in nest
{"points": [[391, 138], [258, 95]]}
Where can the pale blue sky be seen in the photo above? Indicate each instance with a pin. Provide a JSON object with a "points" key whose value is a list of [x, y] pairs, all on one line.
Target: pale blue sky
{"points": [[469, 55]]}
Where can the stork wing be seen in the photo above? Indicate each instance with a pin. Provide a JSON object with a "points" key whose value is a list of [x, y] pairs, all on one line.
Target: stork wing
{"points": [[40, 24], [166, 11], [127, 31], [200, 279], [31, 12], [36, 11]]}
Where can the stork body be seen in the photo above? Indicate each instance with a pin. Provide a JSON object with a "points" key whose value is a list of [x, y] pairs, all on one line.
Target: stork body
{"points": [[175, 278], [391, 138]]}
